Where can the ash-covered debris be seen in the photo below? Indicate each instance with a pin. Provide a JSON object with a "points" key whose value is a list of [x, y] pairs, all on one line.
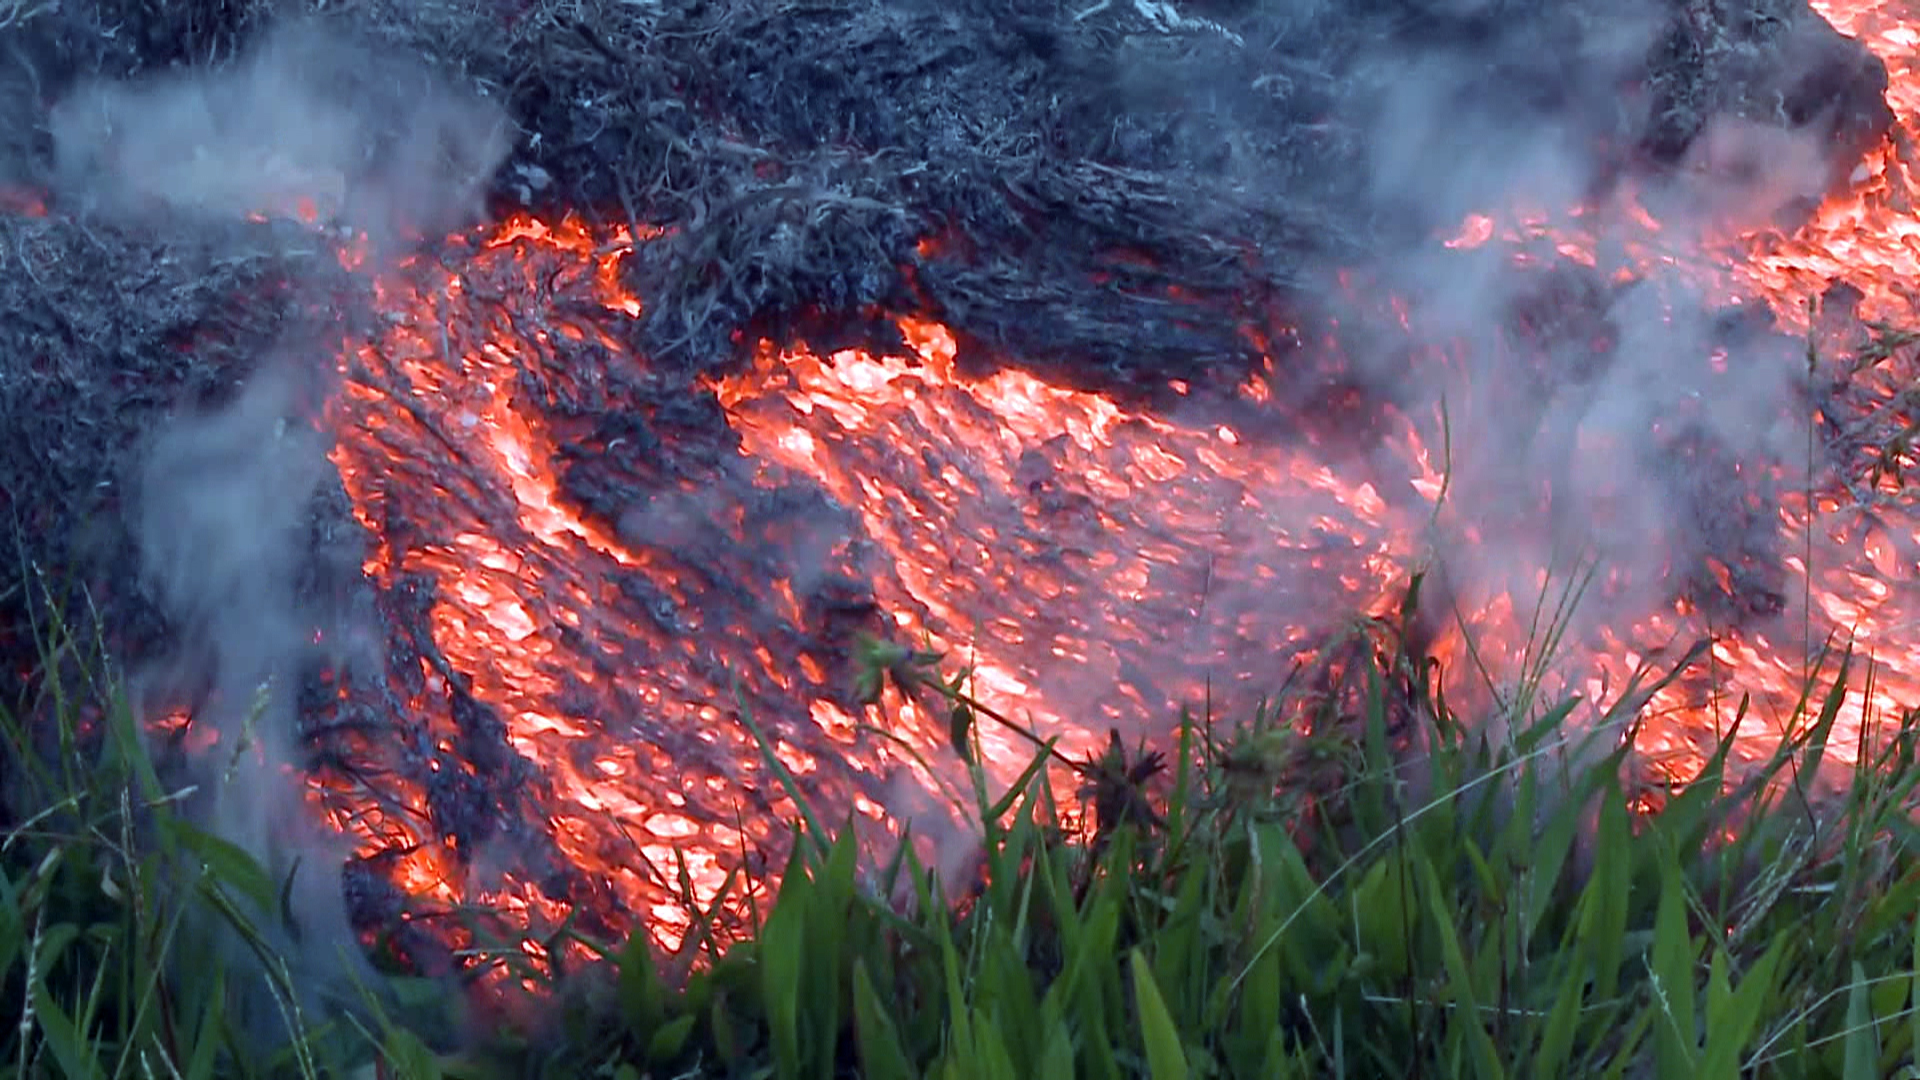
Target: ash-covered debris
{"points": [[104, 333], [1102, 189], [1769, 63], [1132, 188], [1093, 155]]}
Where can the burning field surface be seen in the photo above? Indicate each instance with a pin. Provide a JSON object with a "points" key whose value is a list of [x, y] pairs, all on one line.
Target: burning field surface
{"points": [[1122, 356]]}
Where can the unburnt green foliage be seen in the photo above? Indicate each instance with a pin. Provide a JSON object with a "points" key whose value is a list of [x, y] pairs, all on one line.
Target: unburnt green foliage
{"points": [[1315, 905], [133, 943], [1353, 882]]}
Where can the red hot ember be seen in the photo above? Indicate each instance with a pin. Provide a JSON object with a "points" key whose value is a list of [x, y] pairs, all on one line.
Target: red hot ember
{"points": [[1046, 536], [614, 567]]}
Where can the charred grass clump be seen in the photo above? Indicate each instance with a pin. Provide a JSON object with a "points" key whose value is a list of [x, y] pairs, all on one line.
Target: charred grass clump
{"points": [[1355, 881]]}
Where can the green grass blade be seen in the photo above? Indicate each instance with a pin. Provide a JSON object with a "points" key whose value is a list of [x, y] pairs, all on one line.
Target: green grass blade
{"points": [[1671, 966], [1165, 1059], [1556, 1040], [1056, 1060], [1734, 1019], [816, 836], [990, 1058], [669, 1040], [1465, 1017], [1021, 785], [1913, 998], [62, 1036], [642, 996], [1603, 922], [206, 1038], [881, 1055], [782, 955], [410, 1059], [229, 865], [1861, 1060]]}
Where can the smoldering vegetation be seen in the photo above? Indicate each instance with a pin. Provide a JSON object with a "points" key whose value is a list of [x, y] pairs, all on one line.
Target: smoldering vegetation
{"points": [[226, 497], [1111, 195]]}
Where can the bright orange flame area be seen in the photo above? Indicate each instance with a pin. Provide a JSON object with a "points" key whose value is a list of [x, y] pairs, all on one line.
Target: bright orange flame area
{"points": [[441, 426], [1869, 236], [617, 562], [1095, 566]]}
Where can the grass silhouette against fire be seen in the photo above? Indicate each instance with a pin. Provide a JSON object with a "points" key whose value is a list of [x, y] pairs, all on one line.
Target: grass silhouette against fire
{"points": [[1355, 881]]}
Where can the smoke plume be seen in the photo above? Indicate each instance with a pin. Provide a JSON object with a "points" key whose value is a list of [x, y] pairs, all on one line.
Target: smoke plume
{"points": [[1600, 443], [309, 124], [313, 126]]}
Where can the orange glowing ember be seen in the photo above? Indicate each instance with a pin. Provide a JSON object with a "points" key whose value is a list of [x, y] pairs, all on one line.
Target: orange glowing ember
{"points": [[22, 202], [1096, 567], [1868, 237], [616, 561]]}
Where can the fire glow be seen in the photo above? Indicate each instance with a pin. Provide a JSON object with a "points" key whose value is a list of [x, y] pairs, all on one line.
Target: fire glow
{"points": [[1097, 565], [1094, 565]]}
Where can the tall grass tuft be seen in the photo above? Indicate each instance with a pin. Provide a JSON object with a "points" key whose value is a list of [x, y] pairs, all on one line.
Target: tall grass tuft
{"points": [[134, 943], [1353, 882]]}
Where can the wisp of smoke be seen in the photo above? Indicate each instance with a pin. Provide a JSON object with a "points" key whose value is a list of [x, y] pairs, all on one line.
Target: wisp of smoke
{"points": [[1569, 481], [224, 504], [306, 124]]}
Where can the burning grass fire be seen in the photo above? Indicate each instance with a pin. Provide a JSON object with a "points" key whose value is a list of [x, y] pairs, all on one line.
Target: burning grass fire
{"points": [[1054, 538], [610, 578], [592, 567]]}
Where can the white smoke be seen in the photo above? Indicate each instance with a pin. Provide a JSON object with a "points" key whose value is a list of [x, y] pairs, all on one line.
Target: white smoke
{"points": [[306, 124], [1618, 508], [225, 499]]}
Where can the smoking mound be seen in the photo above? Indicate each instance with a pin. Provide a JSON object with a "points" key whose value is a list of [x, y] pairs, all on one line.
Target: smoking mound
{"points": [[506, 434]]}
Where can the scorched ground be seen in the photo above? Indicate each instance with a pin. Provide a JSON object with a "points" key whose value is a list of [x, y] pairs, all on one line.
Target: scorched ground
{"points": [[612, 569], [591, 565]]}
